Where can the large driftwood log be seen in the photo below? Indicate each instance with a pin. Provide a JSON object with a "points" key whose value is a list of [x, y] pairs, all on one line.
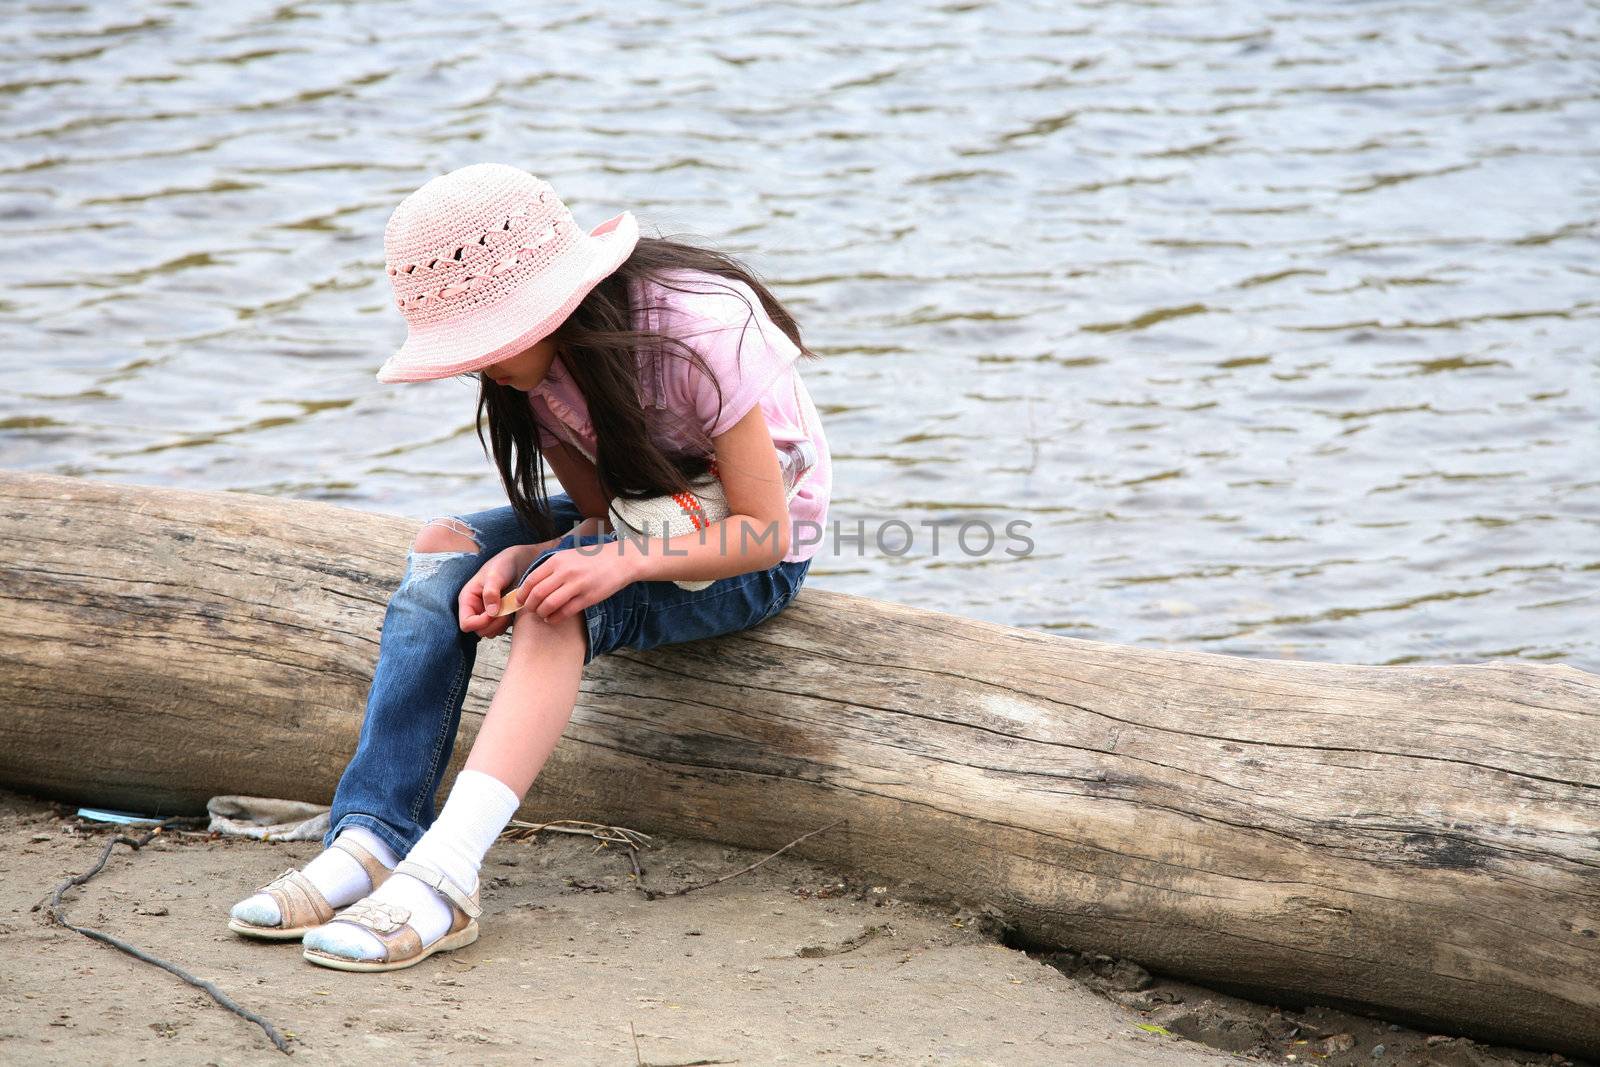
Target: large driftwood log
{"points": [[1420, 842]]}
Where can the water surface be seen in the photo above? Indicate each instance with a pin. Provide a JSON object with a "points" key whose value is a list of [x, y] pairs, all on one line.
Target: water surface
{"points": [[1277, 321]]}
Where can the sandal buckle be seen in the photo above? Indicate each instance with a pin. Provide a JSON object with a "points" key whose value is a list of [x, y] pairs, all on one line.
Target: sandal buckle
{"points": [[437, 880]]}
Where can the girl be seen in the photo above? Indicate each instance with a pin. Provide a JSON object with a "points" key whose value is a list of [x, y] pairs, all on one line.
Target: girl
{"points": [[631, 366]]}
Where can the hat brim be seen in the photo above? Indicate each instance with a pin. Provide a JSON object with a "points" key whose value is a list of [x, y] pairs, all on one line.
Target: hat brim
{"points": [[513, 324]]}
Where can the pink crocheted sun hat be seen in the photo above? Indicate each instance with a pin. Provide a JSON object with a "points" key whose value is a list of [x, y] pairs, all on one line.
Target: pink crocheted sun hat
{"points": [[486, 261]]}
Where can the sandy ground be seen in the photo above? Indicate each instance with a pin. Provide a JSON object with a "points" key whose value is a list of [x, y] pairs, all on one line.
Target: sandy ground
{"points": [[788, 963]]}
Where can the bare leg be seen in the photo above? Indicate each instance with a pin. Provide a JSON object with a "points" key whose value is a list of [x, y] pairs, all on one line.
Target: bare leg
{"points": [[526, 718], [534, 702]]}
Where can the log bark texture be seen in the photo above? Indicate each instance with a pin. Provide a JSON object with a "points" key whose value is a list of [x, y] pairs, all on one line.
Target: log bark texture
{"points": [[1419, 842]]}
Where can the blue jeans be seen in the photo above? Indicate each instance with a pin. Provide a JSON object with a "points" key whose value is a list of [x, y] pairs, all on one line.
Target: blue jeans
{"points": [[425, 660]]}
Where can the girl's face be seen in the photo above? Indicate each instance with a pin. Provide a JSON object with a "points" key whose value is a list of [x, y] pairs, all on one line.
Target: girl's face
{"points": [[526, 369]]}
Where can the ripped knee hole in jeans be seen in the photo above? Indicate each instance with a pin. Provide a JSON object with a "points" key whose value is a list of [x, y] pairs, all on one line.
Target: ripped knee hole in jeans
{"points": [[423, 563]]}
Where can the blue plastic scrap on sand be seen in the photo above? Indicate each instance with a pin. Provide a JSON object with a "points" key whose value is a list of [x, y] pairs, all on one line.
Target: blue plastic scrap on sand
{"points": [[131, 818]]}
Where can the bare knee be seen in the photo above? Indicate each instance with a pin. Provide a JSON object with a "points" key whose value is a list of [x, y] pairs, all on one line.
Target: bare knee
{"points": [[531, 629], [446, 534]]}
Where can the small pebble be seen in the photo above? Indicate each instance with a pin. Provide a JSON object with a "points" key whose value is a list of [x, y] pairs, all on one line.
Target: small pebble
{"points": [[1336, 1043], [1377, 1052]]}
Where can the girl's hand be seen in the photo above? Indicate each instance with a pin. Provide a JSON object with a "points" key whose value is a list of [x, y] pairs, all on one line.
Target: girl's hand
{"points": [[572, 579], [480, 597]]}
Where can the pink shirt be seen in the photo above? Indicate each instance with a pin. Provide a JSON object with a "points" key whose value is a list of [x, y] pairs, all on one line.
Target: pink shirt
{"points": [[753, 361]]}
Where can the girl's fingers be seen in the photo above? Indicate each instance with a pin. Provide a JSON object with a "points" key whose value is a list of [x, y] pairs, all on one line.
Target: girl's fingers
{"points": [[524, 592], [574, 606], [555, 601], [541, 587]]}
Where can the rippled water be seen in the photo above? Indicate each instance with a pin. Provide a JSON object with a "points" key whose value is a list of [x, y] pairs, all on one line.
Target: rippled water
{"points": [[1278, 321]]}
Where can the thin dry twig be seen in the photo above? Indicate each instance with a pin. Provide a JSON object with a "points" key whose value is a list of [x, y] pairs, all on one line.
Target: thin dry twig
{"points": [[849, 944], [58, 915], [518, 830], [652, 894]]}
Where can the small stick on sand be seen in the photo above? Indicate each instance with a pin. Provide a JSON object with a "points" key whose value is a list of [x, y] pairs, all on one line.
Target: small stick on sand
{"points": [[58, 915], [651, 894], [518, 830]]}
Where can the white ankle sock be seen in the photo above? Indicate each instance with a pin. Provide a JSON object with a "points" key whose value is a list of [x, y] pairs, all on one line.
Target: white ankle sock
{"points": [[478, 808], [369, 841], [334, 872]]}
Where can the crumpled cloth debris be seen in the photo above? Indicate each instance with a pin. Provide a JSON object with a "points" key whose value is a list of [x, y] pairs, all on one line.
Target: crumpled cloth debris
{"points": [[267, 818]]}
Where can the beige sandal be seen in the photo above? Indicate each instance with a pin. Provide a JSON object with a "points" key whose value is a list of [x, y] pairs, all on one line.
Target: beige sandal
{"points": [[301, 905], [402, 945]]}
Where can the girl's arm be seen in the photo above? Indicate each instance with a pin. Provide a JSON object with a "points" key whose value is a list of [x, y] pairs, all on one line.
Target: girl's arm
{"points": [[754, 536], [578, 478]]}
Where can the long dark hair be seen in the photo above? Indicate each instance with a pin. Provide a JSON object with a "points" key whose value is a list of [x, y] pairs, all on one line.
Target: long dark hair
{"points": [[597, 345]]}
